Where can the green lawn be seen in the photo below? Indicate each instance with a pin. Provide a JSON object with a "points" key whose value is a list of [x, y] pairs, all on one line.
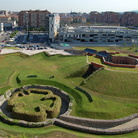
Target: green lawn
{"points": [[32, 101], [119, 84], [114, 92], [124, 50]]}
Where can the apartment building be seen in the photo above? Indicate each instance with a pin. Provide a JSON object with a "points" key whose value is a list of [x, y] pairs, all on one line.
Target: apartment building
{"points": [[1, 27], [65, 20], [123, 19], [34, 19], [105, 17], [54, 25], [8, 21], [98, 34], [69, 20], [129, 19]]}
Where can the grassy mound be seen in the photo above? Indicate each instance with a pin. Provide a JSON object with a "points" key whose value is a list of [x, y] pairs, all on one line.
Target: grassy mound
{"points": [[62, 66], [34, 105], [113, 83]]}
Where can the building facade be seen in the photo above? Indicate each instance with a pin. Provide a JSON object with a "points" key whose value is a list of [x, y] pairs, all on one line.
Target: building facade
{"points": [[1, 27], [98, 35], [9, 21], [54, 25], [123, 19], [129, 19], [3, 13], [34, 19]]}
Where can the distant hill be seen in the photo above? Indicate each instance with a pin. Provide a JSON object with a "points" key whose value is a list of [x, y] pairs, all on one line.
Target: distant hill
{"points": [[135, 11], [130, 11]]}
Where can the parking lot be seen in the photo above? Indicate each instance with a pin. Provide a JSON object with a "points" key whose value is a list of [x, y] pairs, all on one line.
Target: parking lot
{"points": [[31, 44]]}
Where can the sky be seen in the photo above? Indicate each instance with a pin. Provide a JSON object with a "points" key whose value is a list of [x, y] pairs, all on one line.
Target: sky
{"points": [[64, 6]]}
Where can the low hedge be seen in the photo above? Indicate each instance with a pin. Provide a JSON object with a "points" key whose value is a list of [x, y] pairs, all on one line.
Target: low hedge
{"points": [[11, 103], [54, 111], [44, 112], [18, 113]]}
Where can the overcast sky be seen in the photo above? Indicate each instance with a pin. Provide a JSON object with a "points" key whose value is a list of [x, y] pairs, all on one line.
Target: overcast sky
{"points": [[70, 5]]}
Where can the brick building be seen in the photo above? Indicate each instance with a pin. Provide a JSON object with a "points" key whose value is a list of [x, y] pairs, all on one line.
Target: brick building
{"points": [[34, 19], [123, 19], [129, 19]]}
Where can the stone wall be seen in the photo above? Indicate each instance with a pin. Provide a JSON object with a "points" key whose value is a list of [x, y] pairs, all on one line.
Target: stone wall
{"points": [[86, 93], [2, 99], [96, 126], [95, 130], [97, 123], [73, 51]]}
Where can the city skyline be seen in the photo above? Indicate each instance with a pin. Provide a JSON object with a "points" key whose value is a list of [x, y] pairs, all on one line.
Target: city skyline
{"points": [[62, 6]]}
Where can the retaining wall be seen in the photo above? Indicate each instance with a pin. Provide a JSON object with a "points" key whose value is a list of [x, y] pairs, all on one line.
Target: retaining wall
{"points": [[73, 51], [97, 123], [84, 92], [133, 56], [97, 65], [94, 130]]}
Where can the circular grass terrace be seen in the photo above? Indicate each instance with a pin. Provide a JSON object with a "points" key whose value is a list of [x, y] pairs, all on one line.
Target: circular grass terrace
{"points": [[34, 105]]}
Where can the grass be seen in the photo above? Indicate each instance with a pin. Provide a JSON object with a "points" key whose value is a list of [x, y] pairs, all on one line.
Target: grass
{"points": [[115, 83], [124, 50], [15, 48], [99, 61], [60, 67], [53, 131], [32, 101], [115, 97]]}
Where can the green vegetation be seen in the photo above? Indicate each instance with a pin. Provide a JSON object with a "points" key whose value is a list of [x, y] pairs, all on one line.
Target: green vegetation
{"points": [[13, 34], [122, 84], [16, 48], [34, 105], [123, 49], [113, 90], [63, 66]]}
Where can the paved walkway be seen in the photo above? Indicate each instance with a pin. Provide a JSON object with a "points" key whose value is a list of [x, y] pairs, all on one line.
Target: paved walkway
{"points": [[32, 52], [129, 124]]}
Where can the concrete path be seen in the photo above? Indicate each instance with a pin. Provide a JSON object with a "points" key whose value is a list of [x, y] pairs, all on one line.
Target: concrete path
{"points": [[32, 52], [129, 124]]}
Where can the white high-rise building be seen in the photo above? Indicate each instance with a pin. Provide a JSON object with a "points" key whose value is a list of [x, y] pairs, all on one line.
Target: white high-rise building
{"points": [[54, 24], [1, 27]]}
